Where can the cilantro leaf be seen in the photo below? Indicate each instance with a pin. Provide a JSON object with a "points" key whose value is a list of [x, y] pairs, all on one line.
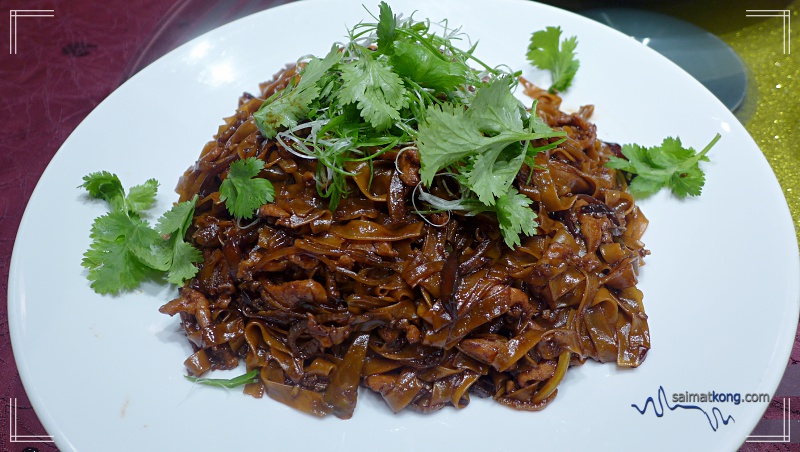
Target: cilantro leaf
{"points": [[445, 136], [496, 113], [182, 267], [292, 104], [482, 137], [515, 216], [173, 226], [490, 176], [177, 219], [112, 267], [377, 90], [426, 68], [495, 110], [113, 257], [113, 225], [669, 164], [106, 186], [243, 194], [544, 52], [688, 183], [136, 235], [141, 197], [385, 30], [149, 247]]}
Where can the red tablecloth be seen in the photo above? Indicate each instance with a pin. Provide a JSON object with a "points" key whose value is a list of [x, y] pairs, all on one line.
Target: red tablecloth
{"points": [[63, 67]]}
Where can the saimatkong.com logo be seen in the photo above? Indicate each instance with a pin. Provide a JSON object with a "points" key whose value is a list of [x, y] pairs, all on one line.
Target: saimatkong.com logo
{"points": [[715, 415], [719, 397]]}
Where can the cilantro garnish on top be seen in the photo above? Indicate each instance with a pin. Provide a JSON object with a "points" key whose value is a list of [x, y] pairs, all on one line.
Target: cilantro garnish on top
{"points": [[397, 82]]}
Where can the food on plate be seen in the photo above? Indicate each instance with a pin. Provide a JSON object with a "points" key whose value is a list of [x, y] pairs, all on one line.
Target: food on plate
{"points": [[386, 216]]}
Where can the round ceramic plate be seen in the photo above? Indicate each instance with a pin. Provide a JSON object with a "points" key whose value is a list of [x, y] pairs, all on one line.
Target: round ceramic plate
{"points": [[721, 286]]}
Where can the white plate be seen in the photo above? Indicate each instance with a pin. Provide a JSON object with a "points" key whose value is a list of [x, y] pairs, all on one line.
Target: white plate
{"points": [[721, 285]]}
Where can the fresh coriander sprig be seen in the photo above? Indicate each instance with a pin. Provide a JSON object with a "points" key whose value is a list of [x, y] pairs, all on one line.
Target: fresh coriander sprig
{"points": [[668, 165], [415, 87], [547, 51], [125, 250], [484, 141], [485, 146], [243, 192], [107, 186], [355, 102]]}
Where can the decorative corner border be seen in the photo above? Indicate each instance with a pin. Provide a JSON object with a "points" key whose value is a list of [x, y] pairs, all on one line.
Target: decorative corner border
{"points": [[787, 428], [15, 437], [786, 14], [12, 23]]}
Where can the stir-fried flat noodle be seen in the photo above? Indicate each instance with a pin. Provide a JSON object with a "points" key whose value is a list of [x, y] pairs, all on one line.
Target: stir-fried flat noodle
{"points": [[423, 312]]}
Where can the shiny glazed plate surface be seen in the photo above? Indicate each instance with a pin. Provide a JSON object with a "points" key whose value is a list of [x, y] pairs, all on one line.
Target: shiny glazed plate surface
{"points": [[721, 285]]}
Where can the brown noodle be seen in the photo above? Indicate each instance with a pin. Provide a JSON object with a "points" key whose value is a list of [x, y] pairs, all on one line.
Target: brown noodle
{"points": [[371, 295]]}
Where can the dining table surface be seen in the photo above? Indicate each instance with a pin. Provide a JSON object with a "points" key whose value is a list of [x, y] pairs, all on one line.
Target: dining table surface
{"points": [[59, 60]]}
